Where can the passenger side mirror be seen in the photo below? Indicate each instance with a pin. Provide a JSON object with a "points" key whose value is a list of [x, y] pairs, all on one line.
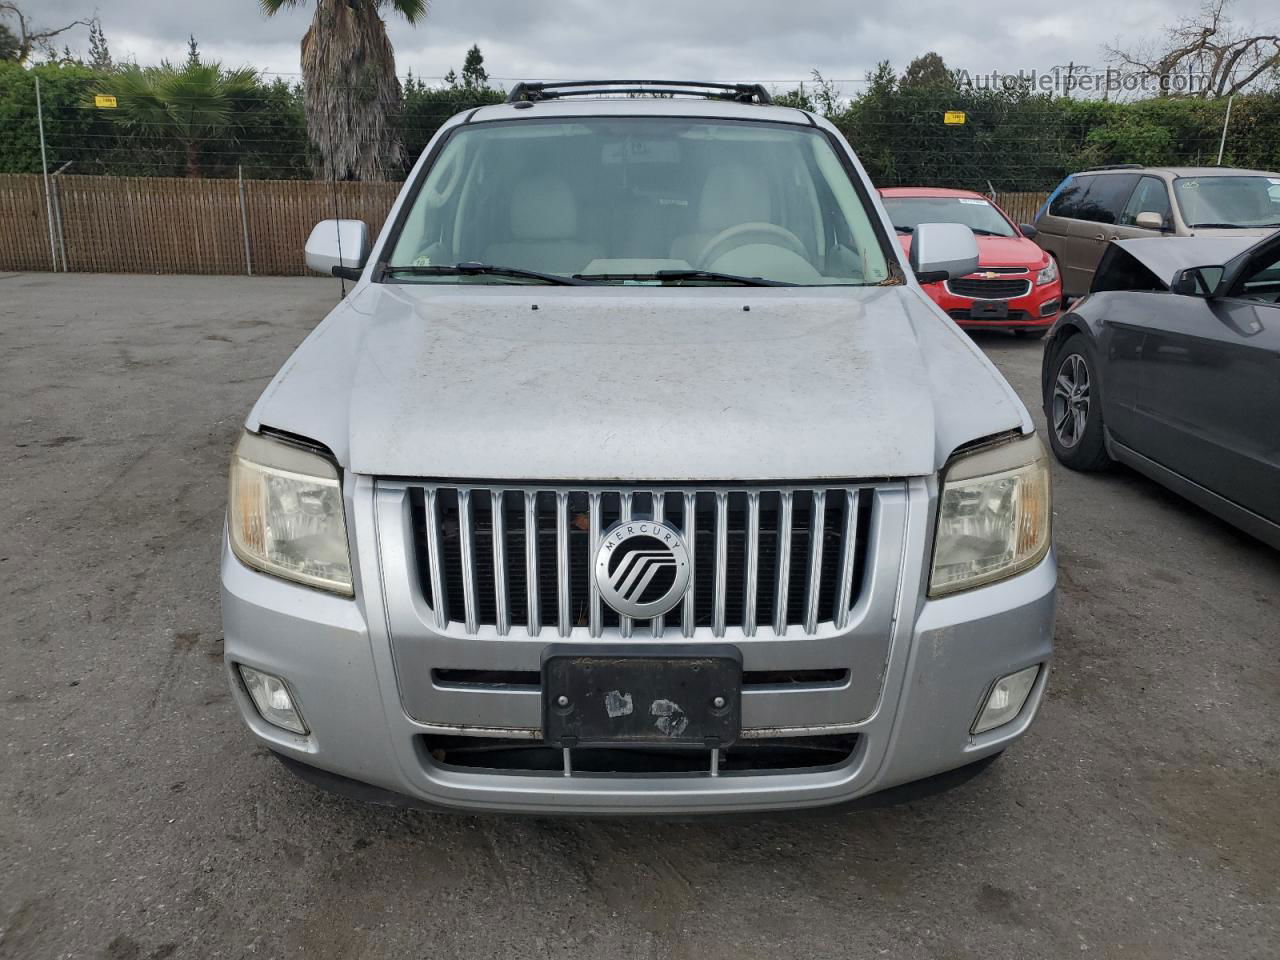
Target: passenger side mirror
{"points": [[1028, 230], [1149, 221], [943, 251], [1197, 281], [338, 248]]}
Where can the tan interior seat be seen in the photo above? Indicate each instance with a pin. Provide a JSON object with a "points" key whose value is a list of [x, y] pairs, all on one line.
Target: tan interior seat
{"points": [[544, 229], [732, 194]]}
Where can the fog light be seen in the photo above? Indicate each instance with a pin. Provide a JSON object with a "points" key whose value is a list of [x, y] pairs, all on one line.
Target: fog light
{"points": [[1006, 699], [272, 698]]}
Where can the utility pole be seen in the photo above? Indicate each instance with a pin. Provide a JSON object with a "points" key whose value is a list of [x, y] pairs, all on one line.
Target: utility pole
{"points": [[1222, 144], [44, 166]]}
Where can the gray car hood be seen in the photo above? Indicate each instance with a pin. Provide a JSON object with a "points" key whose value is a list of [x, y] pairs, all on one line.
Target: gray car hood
{"points": [[1166, 257], [559, 383]]}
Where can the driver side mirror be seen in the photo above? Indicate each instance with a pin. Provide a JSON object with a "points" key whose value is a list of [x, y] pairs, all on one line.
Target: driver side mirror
{"points": [[943, 251], [1149, 221], [1197, 281], [338, 248]]}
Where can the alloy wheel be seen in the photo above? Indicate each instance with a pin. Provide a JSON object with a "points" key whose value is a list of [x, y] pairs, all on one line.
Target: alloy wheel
{"points": [[1070, 407]]}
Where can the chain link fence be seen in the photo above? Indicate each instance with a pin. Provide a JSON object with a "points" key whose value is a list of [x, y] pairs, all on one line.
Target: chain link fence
{"points": [[177, 194]]}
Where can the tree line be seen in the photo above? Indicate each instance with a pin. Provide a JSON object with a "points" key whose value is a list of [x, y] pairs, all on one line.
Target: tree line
{"points": [[198, 118]]}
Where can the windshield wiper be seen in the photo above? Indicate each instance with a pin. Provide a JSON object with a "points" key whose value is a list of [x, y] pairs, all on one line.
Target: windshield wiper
{"points": [[1216, 226], [675, 276], [470, 269], [987, 233], [904, 229]]}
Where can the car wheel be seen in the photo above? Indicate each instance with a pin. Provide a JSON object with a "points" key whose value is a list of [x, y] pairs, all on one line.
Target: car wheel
{"points": [[1073, 406], [1030, 334]]}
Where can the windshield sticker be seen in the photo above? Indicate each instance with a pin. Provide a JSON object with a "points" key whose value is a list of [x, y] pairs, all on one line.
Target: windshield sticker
{"points": [[977, 203]]}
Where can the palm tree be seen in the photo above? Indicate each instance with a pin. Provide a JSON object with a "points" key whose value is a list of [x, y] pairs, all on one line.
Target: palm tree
{"points": [[352, 94], [194, 104]]}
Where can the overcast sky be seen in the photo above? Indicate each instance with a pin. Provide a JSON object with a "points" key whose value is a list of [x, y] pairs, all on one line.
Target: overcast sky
{"points": [[777, 42]]}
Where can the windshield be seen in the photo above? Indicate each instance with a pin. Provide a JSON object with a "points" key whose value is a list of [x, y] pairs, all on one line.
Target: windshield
{"points": [[1230, 201], [638, 200], [978, 215]]}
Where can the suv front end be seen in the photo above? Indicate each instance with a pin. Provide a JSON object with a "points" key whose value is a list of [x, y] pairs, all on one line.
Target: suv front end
{"points": [[424, 503]]}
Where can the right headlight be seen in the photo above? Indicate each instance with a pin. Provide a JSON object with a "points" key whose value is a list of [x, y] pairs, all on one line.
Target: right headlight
{"points": [[994, 516], [285, 516]]}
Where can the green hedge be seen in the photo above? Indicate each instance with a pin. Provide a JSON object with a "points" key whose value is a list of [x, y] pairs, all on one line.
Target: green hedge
{"points": [[1013, 139]]}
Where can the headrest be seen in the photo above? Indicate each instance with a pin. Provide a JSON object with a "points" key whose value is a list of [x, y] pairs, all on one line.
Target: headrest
{"points": [[543, 208], [733, 194]]}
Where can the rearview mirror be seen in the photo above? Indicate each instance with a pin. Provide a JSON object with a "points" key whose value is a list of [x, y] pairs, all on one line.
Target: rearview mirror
{"points": [[1028, 230], [943, 251], [1149, 221], [338, 248], [1197, 281]]}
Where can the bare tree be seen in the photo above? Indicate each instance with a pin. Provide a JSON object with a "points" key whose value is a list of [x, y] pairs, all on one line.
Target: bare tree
{"points": [[30, 37], [1210, 48]]}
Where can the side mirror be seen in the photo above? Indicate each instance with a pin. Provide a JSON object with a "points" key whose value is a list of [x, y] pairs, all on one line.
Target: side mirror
{"points": [[1149, 221], [338, 248], [1197, 281], [943, 251], [1028, 230]]}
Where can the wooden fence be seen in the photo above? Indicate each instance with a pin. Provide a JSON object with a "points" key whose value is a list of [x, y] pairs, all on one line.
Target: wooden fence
{"points": [[169, 225], [172, 225]]}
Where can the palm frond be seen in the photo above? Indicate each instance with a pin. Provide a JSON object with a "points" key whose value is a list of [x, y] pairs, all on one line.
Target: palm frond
{"points": [[411, 10], [271, 7]]}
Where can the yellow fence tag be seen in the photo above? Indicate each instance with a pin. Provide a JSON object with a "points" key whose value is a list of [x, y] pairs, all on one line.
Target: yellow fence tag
{"points": [[953, 117], [106, 101]]}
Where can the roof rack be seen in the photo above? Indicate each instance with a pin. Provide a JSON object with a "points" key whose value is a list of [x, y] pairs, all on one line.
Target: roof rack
{"points": [[1116, 166], [737, 92]]}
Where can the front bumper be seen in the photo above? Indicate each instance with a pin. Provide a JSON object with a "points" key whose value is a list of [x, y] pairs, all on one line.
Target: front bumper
{"points": [[338, 659], [1037, 310]]}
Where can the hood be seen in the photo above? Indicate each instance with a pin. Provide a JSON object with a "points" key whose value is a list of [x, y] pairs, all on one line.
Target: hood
{"points": [[568, 383], [1166, 257], [999, 251]]}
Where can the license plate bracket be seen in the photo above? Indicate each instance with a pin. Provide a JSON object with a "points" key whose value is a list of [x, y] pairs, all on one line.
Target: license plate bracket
{"points": [[989, 310], [642, 695]]}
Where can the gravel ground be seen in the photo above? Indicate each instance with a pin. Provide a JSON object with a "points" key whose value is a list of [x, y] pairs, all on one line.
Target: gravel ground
{"points": [[1139, 819]]}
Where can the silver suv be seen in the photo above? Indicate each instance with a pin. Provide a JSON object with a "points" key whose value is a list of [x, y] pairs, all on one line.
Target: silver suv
{"points": [[637, 474]]}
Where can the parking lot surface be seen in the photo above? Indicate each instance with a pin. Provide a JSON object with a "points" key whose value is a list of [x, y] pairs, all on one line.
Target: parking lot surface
{"points": [[1139, 819]]}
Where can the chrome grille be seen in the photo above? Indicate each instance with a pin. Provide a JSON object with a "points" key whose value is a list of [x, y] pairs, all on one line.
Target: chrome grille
{"points": [[782, 558]]}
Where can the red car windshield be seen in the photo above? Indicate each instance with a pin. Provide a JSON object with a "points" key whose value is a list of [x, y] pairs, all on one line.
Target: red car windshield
{"points": [[978, 215]]}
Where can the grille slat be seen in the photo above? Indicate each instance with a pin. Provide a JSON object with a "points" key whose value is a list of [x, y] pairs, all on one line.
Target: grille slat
{"points": [[533, 613], [518, 559], [783, 577], [498, 522]]}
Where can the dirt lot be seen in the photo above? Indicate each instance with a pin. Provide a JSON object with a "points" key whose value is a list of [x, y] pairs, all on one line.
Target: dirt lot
{"points": [[1139, 819]]}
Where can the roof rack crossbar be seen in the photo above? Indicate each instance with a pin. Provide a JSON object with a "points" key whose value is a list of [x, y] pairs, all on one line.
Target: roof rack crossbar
{"points": [[738, 92], [1114, 166]]}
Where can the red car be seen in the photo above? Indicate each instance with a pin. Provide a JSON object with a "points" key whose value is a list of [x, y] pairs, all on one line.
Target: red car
{"points": [[1017, 286]]}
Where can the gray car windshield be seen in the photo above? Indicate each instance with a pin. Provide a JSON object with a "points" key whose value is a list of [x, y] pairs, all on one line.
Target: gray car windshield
{"points": [[1230, 201], [978, 215], [642, 200]]}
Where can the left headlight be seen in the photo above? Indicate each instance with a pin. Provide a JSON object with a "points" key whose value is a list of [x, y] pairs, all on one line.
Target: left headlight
{"points": [[994, 516], [1048, 273], [285, 514]]}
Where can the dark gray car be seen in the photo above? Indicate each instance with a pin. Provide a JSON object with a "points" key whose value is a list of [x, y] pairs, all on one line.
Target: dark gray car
{"points": [[1172, 365]]}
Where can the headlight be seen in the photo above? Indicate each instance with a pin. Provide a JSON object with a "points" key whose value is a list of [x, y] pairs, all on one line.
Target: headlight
{"points": [[994, 517], [285, 514], [1048, 274]]}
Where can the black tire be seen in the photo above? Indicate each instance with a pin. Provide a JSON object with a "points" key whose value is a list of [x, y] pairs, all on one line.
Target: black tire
{"points": [[1073, 405], [1031, 334]]}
